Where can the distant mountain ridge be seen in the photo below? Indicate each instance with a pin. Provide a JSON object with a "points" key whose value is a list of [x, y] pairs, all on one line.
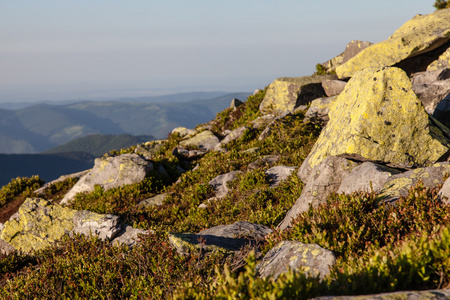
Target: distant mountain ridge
{"points": [[39, 127]]}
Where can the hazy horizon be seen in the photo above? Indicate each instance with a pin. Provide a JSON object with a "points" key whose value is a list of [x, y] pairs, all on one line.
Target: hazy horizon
{"points": [[97, 50]]}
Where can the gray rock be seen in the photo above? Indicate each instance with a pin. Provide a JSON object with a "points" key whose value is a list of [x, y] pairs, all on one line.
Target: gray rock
{"points": [[399, 184], [428, 77], [154, 201], [366, 177], [252, 150], [263, 121], [219, 183], [111, 172], [265, 133], [129, 236], [444, 193], [333, 87], [266, 160], [150, 149], [183, 131], [442, 111], [236, 103], [325, 179], [205, 140], [41, 190], [106, 227], [319, 109], [239, 230], [232, 136], [276, 175], [432, 94], [406, 295], [351, 50], [310, 259]]}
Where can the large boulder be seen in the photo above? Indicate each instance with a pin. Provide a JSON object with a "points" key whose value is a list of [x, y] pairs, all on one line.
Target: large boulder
{"points": [[422, 34], [39, 223], [431, 87], [205, 140], [399, 184], [111, 172], [326, 178], [310, 259], [378, 117], [351, 50], [287, 93]]}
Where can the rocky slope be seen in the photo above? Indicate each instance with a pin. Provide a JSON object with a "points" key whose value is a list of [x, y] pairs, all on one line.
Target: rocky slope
{"points": [[318, 186]]}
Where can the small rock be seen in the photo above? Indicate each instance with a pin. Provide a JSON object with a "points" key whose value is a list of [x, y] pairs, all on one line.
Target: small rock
{"points": [[276, 175], [154, 201], [333, 87], [219, 183], [266, 160], [236, 103], [239, 230]]}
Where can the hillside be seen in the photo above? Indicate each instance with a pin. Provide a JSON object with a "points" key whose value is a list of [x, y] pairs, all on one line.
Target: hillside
{"points": [[40, 127], [329, 186]]}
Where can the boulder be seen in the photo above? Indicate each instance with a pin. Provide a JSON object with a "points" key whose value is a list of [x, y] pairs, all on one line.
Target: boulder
{"points": [[425, 295], [429, 77], [219, 183], [325, 179], [266, 160], [319, 109], [236, 103], [183, 131], [153, 201], [366, 177], [378, 117], [129, 236], [150, 149], [352, 49], [406, 47], [111, 172], [232, 136], [310, 259], [287, 93], [205, 140], [41, 190], [239, 230], [399, 184], [276, 175], [431, 87], [442, 111], [443, 62], [39, 223], [263, 121], [333, 87]]}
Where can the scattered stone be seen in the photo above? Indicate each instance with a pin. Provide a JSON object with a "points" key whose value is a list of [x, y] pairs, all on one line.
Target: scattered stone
{"points": [[286, 93], [366, 177], [265, 133], [263, 121], [399, 184], [276, 175], [106, 227], [378, 117], [154, 201], [129, 236], [266, 160], [236, 103], [150, 149], [239, 230], [219, 183], [252, 150], [422, 34], [310, 259], [325, 179], [232, 136], [111, 172], [333, 87], [411, 295], [183, 131], [319, 109], [205, 140]]}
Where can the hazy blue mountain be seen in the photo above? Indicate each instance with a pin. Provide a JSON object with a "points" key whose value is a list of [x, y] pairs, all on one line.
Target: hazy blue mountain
{"points": [[178, 98], [98, 144]]}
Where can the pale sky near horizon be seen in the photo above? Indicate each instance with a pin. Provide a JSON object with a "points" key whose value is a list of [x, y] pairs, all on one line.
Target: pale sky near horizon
{"points": [[99, 49]]}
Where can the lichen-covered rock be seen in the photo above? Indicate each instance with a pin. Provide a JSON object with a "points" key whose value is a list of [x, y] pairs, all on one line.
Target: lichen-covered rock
{"points": [[319, 109], [378, 117], [324, 180], [352, 49], [399, 184], [183, 131], [333, 87], [150, 149], [277, 174], [154, 201], [219, 183], [239, 230], [310, 259], [287, 93], [443, 62], [39, 223], [111, 172], [205, 140], [366, 177], [412, 295], [186, 243], [422, 34]]}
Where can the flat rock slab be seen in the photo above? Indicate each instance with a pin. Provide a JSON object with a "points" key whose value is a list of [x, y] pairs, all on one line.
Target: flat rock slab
{"points": [[287, 93], [111, 172], [405, 295], [186, 243], [398, 185], [219, 183], [239, 230], [325, 179], [366, 177], [205, 140], [378, 117], [310, 259], [276, 175], [422, 34]]}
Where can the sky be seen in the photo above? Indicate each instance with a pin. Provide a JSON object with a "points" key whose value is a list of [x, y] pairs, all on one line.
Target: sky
{"points": [[106, 49]]}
